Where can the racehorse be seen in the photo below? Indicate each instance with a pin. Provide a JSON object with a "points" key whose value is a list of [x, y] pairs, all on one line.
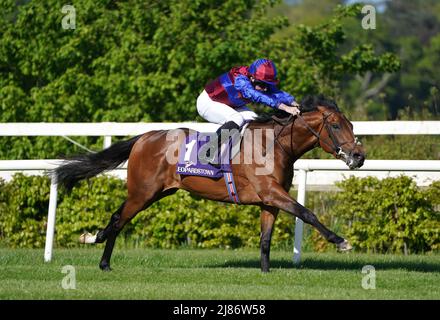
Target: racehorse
{"points": [[151, 177]]}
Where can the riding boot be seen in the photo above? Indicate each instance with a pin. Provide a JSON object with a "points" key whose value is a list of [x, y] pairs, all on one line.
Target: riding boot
{"points": [[230, 125]]}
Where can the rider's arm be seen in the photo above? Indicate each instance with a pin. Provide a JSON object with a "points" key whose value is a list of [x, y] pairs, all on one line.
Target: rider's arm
{"points": [[286, 101], [273, 98], [282, 97], [244, 86]]}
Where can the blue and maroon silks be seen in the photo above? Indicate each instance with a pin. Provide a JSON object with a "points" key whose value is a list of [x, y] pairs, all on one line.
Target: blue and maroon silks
{"points": [[189, 164], [235, 89]]}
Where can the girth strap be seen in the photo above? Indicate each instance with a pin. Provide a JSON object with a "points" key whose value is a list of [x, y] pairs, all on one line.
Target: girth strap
{"points": [[230, 185]]}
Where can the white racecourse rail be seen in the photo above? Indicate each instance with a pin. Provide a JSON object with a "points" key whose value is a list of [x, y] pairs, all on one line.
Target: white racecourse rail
{"points": [[319, 172]]}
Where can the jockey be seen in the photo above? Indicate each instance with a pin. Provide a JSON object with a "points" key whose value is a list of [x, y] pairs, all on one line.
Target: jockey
{"points": [[223, 100]]}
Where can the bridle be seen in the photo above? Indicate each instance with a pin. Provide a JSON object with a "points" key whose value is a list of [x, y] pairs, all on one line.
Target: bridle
{"points": [[335, 145]]}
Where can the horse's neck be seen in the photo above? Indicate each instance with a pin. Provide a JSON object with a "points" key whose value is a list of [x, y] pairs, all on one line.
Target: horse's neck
{"points": [[301, 140], [305, 148]]}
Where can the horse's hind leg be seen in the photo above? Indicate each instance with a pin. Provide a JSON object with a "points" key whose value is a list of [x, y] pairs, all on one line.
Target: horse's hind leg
{"points": [[102, 235], [119, 219], [109, 233]]}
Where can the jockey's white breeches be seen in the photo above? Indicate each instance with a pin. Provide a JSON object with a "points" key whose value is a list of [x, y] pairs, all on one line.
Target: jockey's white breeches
{"points": [[221, 113]]}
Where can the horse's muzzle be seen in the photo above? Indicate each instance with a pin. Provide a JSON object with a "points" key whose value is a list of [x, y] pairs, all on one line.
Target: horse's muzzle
{"points": [[355, 159]]}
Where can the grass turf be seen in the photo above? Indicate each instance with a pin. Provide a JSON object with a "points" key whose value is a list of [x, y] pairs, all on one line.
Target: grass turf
{"points": [[215, 274]]}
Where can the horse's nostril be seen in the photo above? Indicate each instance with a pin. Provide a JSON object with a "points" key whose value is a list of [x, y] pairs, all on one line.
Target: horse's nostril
{"points": [[358, 156]]}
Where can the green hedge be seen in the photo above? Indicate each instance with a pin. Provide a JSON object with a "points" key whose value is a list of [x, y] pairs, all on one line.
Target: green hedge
{"points": [[23, 211], [389, 215]]}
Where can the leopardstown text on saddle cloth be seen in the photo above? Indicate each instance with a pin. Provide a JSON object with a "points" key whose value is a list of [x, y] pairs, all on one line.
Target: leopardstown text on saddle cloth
{"points": [[253, 147]]}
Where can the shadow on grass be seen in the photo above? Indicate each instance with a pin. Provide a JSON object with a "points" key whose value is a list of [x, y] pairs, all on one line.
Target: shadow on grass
{"points": [[322, 264]]}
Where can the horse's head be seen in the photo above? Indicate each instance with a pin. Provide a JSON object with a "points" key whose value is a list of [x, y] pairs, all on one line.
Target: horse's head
{"points": [[334, 131]]}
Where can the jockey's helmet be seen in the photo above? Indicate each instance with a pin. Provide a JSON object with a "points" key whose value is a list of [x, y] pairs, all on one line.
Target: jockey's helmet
{"points": [[264, 70]]}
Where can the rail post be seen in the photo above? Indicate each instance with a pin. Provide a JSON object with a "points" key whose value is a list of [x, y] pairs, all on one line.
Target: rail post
{"points": [[107, 142], [50, 231], [299, 224]]}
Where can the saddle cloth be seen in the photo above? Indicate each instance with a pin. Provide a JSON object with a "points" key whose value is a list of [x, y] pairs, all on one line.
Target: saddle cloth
{"points": [[189, 164]]}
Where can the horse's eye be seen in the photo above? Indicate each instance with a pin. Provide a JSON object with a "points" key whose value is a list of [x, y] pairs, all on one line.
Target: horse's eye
{"points": [[335, 126]]}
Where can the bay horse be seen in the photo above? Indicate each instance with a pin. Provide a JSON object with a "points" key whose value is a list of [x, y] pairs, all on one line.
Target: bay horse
{"points": [[151, 177]]}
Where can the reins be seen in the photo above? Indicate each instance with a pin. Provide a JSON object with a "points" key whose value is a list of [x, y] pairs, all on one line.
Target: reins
{"points": [[279, 133]]}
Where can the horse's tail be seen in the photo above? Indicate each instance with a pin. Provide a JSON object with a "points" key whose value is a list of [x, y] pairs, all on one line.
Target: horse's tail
{"points": [[88, 165]]}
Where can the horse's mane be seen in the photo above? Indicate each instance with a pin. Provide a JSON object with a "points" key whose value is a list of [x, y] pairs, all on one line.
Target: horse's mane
{"points": [[311, 103], [308, 104]]}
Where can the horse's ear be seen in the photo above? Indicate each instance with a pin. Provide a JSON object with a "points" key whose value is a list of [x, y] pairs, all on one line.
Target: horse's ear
{"points": [[282, 119]]}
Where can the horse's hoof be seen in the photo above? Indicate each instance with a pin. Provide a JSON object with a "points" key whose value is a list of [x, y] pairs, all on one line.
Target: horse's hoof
{"points": [[87, 238], [105, 267], [344, 246]]}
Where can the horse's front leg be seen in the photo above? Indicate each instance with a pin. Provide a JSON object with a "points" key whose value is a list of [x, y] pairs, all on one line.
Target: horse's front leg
{"points": [[267, 217], [280, 198]]}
